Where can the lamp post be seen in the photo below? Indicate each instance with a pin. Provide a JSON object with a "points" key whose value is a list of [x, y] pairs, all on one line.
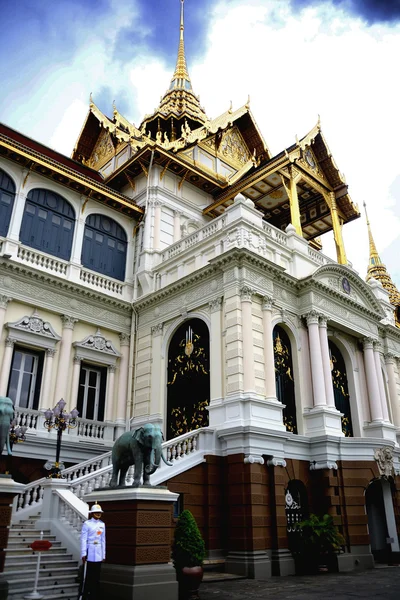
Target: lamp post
{"points": [[60, 420]]}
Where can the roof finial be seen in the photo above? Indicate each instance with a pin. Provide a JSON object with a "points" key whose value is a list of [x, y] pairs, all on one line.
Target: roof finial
{"points": [[181, 71], [373, 253]]}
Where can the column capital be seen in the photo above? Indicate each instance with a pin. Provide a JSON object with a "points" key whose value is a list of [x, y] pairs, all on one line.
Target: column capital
{"points": [[125, 339], [77, 360], [368, 343], [276, 462], [155, 202], [390, 358], [68, 321], [111, 368], [157, 329], [215, 304], [378, 347], [252, 459], [246, 294], [51, 352], [9, 342], [312, 317], [267, 303], [4, 300], [323, 321]]}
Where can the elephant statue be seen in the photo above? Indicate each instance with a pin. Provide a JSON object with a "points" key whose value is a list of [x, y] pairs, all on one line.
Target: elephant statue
{"points": [[141, 448], [6, 416]]}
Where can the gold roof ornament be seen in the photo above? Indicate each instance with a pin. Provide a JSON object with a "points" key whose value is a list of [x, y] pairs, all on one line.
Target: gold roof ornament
{"points": [[179, 101], [378, 271]]}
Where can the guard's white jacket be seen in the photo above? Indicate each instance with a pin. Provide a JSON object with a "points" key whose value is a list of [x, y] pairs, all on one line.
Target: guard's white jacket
{"points": [[93, 540]]}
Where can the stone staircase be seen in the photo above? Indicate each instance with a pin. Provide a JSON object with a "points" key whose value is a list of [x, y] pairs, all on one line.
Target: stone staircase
{"points": [[58, 570]]}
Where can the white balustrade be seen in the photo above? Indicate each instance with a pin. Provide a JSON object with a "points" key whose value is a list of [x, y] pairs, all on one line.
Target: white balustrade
{"points": [[26, 417], [43, 261], [99, 281], [96, 473]]}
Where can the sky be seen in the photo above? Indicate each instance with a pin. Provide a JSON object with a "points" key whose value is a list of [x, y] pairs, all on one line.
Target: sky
{"points": [[297, 59]]}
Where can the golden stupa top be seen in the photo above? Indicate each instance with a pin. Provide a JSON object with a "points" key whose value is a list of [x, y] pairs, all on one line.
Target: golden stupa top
{"points": [[378, 271], [179, 101]]}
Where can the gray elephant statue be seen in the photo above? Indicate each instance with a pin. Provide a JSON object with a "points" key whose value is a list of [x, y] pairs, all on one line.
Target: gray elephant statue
{"points": [[142, 448], [6, 416]]}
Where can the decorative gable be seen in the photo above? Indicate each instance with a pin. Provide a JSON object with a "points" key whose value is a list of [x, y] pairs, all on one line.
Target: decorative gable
{"points": [[103, 150], [229, 147], [97, 348], [33, 331]]}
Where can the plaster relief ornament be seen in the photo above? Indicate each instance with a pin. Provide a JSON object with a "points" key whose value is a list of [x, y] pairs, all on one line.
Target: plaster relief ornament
{"points": [[384, 458]]}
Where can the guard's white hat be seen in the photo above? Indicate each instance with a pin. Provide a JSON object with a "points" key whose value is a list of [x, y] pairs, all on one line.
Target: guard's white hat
{"points": [[96, 508]]}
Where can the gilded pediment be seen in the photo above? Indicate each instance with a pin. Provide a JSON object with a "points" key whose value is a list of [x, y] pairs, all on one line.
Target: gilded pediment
{"points": [[103, 151], [229, 146]]}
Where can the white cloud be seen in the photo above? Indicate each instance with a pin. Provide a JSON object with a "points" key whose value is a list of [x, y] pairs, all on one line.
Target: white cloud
{"points": [[294, 67]]}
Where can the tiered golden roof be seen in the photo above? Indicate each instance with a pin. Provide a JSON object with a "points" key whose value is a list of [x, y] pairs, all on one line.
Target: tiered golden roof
{"points": [[377, 270], [179, 103]]}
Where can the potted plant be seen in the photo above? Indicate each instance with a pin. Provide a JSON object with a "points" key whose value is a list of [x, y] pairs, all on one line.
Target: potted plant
{"points": [[318, 543], [188, 553]]}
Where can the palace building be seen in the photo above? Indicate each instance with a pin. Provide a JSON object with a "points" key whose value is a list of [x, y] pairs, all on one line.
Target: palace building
{"points": [[172, 272]]}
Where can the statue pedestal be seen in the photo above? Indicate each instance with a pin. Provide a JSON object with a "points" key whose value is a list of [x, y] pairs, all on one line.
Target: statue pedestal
{"points": [[8, 490], [138, 543]]}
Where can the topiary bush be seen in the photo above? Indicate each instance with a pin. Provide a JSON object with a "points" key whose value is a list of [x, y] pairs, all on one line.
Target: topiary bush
{"points": [[188, 549]]}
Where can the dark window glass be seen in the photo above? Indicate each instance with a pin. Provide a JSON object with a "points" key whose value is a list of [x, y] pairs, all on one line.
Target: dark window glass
{"points": [[25, 378], [104, 247], [48, 223], [91, 392], [7, 196]]}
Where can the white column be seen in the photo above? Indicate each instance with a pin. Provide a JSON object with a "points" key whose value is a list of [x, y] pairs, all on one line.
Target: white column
{"points": [[157, 225], [393, 394], [216, 363], [4, 300], [381, 385], [6, 366], [156, 398], [247, 336], [177, 225], [122, 399], [375, 404], [45, 400], [110, 392], [269, 359], [65, 357], [317, 372], [76, 252], [326, 362], [16, 217], [76, 370]]}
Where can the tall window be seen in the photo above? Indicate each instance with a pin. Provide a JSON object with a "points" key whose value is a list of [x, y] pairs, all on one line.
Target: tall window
{"points": [[284, 377], [341, 388], [104, 247], [188, 378], [92, 392], [7, 196], [48, 223], [25, 378]]}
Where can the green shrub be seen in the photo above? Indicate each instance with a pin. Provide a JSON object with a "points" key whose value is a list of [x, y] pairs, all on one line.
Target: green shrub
{"points": [[318, 536], [188, 549]]}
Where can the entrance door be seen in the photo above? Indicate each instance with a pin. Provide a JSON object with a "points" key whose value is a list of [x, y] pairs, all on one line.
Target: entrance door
{"points": [[377, 524]]}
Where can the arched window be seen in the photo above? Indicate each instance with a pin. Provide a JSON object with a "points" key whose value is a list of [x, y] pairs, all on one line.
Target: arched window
{"points": [[341, 388], [188, 378], [104, 247], [7, 197], [48, 223], [284, 377]]}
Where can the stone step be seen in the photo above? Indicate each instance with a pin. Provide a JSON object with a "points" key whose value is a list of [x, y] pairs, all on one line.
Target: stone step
{"points": [[49, 571], [29, 537], [24, 583], [69, 591], [25, 549], [27, 563], [28, 531], [26, 559]]}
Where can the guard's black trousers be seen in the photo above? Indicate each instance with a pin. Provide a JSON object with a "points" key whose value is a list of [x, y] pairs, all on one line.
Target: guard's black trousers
{"points": [[92, 581]]}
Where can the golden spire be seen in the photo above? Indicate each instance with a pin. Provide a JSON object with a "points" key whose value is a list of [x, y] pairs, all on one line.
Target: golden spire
{"points": [[378, 271], [181, 71], [373, 253], [179, 101]]}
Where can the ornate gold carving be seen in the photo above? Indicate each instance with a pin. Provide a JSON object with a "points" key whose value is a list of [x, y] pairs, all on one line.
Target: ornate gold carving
{"points": [[103, 150], [233, 148]]}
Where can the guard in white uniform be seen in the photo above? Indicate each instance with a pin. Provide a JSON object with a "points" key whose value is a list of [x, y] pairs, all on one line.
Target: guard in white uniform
{"points": [[93, 551]]}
